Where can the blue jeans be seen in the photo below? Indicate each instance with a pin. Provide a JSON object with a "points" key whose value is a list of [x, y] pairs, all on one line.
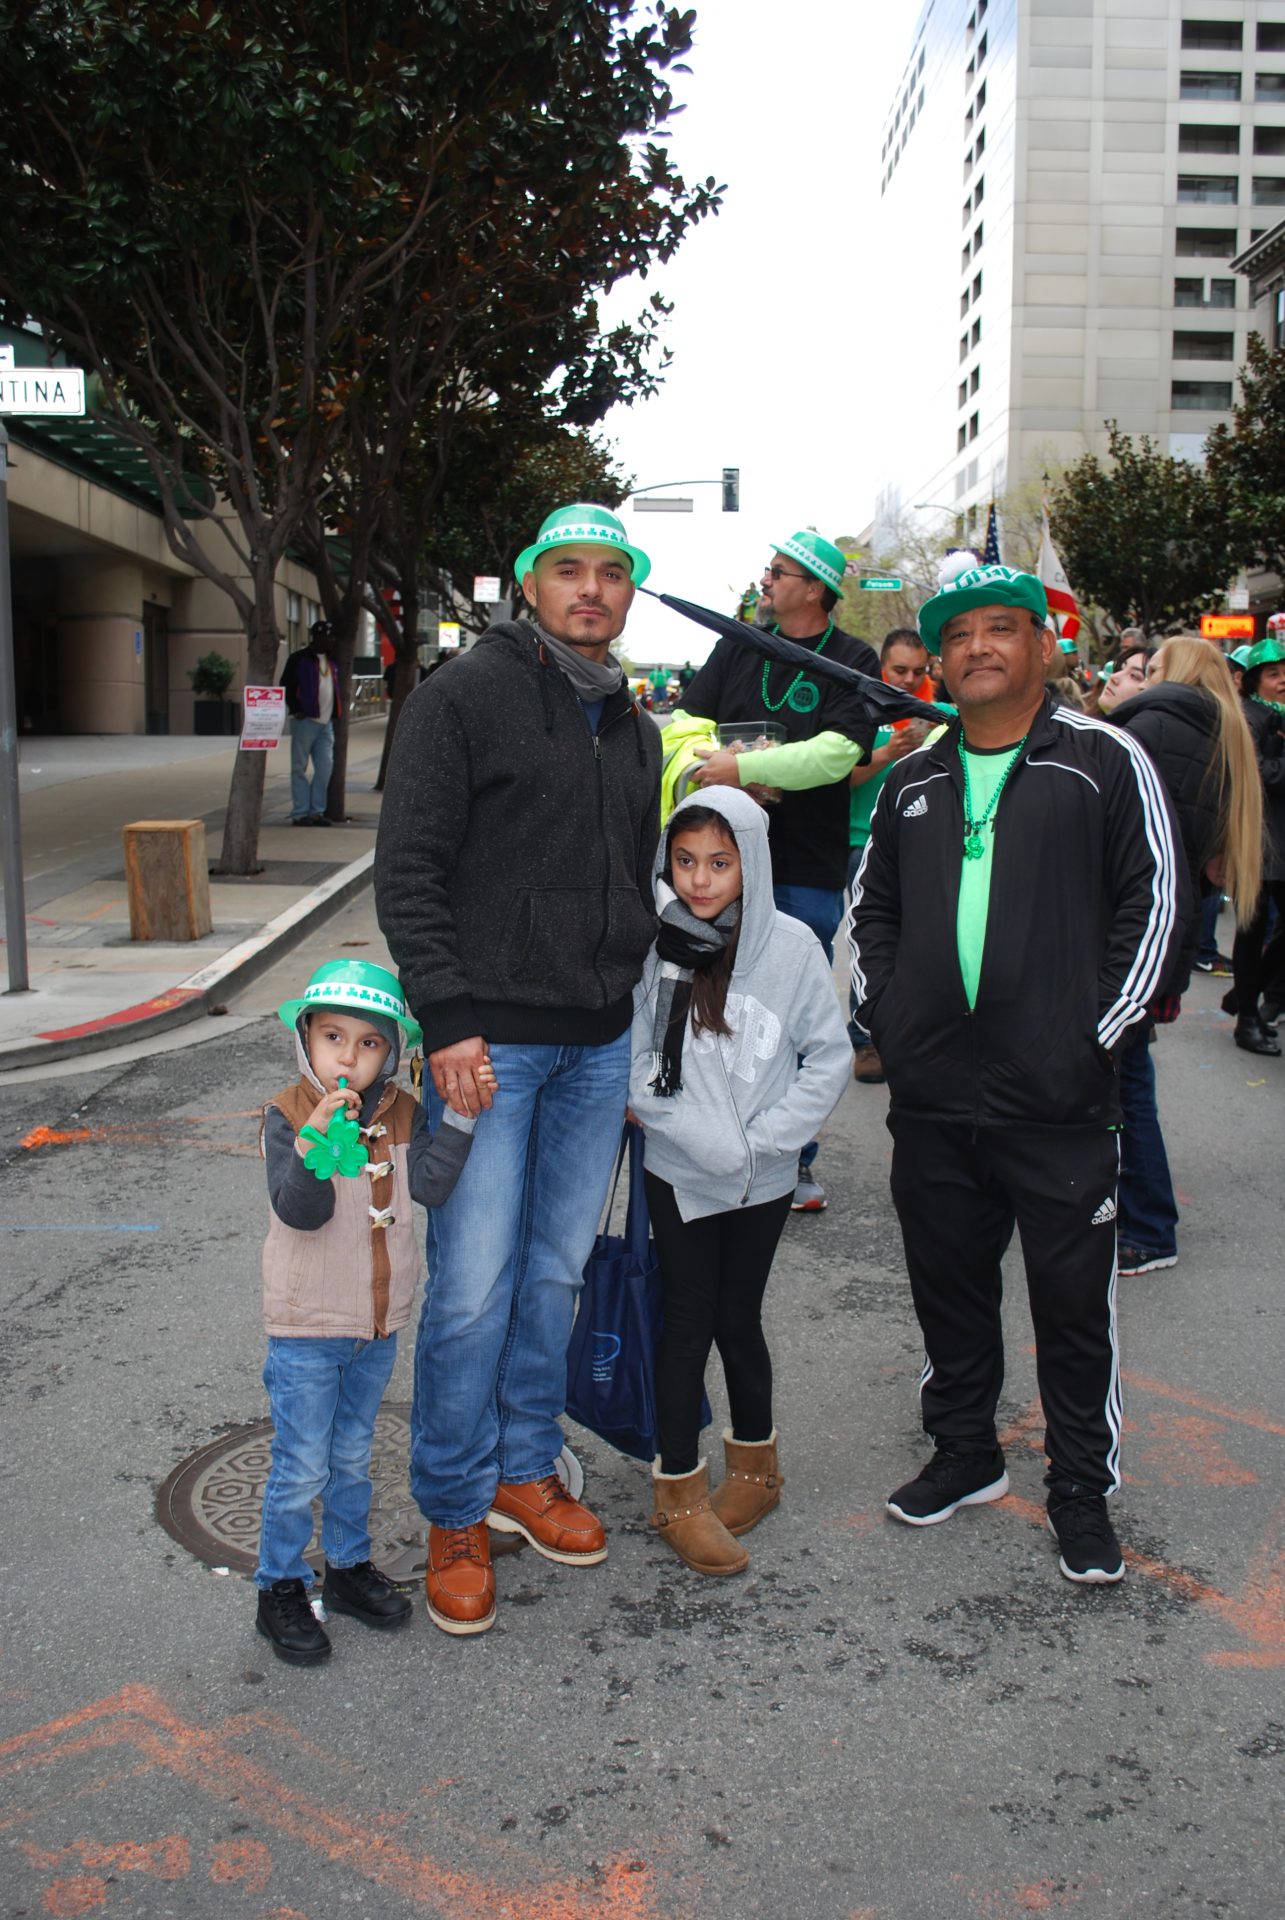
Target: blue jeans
{"points": [[1147, 1216], [315, 738], [1209, 906], [506, 1259], [820, 908], [324, 1395]]}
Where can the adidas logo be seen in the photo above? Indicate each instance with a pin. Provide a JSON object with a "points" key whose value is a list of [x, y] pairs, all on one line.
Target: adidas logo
{"points": [[1105, 1214], [916, 808]]}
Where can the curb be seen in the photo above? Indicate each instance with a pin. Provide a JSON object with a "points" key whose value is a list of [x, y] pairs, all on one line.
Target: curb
{"points": [[201, 991]]}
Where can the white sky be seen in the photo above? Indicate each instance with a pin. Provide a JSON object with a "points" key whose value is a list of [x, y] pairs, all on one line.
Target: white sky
{"points": [[771, 372]]}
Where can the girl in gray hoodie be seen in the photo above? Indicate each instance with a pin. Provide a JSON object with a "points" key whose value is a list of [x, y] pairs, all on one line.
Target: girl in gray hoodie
{"points": [[739, 1055]]}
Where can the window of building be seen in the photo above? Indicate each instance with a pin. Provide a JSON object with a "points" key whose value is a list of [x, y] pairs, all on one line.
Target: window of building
{"points": [[1203, 396], [1271, 36], [978, 237], [972, 473], [1278, 320], [968, 163], [1269, 86], [980, 148], [965, 257], [920, 102], [962, 400], [975, 380], [979, 191], [1193, 85], [1208, 139], [981, 96], [1205, 243], [963, 303], [968, 123], [977, 286], [974, 425], [294, 621], [968, 211], [1204, 293], [1208, 189], [961, 441], [981, 8], [1268, 190], [981, 50], [1204, 346], [1269, 139], [963, 346], [977, 331], [919, 69], [1212, 36], [969, 71]]}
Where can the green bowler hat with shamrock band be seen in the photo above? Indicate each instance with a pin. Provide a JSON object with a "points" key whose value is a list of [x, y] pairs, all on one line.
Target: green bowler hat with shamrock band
{"points": [[980, 587], [354, 986], [582, 526], [823, 560], [1265, 653]]}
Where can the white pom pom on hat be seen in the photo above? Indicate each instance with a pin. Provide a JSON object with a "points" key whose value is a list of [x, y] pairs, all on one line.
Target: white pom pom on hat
{"points": [[951, 565]]}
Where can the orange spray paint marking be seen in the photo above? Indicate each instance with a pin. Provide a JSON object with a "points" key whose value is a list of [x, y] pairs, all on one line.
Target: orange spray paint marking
{"points": [[137, 1718], [167, 1859], [246, 1862], [80, 1894], [1184, 1447]]}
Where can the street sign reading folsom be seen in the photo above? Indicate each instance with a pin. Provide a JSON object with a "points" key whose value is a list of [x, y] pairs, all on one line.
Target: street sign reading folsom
{"points": [[42, 390]]}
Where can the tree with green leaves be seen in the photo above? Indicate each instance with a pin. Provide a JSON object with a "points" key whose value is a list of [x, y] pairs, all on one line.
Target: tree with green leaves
{"points": [[1246, 461], [245, 219], [1142, 534]]}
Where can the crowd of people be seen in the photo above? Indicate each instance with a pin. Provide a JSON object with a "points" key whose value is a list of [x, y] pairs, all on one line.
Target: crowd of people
{"points": [[597, 924]]}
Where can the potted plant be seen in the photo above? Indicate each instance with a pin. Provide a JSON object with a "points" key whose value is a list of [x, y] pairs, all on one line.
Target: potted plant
{"points": [[211, 712]]}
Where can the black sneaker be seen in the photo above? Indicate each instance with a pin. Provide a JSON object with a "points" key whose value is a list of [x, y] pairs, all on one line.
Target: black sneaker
{"points": [[954, 1477], [286, 1619], [1131, 1261], [367, 1594], [1090, 1551]]}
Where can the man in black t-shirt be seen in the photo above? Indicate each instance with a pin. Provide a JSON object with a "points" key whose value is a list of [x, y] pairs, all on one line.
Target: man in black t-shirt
{"points": [[827, 730]]}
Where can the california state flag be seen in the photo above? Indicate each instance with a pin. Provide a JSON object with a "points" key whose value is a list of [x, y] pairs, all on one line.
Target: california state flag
{"points": [[1062, 607]]}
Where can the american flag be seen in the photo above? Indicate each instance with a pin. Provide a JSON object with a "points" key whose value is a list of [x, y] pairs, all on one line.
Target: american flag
{"points": [[990, 554]]}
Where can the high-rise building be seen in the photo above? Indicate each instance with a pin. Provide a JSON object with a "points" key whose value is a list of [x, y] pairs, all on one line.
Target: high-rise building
{"points": [[1063, 184]]}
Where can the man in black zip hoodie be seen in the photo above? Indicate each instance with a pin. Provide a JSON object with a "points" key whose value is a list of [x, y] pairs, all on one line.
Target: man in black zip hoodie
{"points": [[1019, 903], [512, 878]]}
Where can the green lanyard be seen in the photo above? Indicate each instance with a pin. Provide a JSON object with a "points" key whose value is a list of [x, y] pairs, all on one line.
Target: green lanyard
{"points": [[973, 848], [800, 693]]}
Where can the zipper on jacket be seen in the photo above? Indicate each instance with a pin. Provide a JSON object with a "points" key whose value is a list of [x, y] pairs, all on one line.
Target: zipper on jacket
{"points": [[736, 1115]]}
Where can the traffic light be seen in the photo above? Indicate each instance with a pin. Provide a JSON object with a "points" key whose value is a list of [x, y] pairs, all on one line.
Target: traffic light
{"points": [[731, 489]]}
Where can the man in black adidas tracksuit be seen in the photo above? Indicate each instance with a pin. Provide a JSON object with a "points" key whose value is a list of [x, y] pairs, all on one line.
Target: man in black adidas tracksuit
{"points": [[1015, 912]]}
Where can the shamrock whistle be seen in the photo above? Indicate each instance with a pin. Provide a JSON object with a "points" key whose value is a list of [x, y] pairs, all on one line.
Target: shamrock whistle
{"points": [[338, 1149]]}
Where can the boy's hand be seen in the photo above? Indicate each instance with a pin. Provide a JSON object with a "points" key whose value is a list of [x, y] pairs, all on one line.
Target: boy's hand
{"points": [[324, 1112]]}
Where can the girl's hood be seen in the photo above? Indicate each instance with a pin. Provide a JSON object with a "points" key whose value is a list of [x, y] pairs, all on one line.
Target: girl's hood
{"points": [[748, 822]]}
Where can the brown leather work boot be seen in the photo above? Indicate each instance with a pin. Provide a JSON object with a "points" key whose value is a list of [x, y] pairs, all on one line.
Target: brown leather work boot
{"points": [[544, 1513], [685, 1521], [867, 1067], [751, 1485], [458, 1580]]}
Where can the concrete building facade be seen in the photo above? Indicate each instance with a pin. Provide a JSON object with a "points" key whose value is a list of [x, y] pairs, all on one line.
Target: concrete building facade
{"points": [[1064, 184]]}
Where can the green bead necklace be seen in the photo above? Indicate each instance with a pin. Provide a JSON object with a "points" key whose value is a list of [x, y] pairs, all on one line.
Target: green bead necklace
{"points": [[800, 693], [973, 848]]}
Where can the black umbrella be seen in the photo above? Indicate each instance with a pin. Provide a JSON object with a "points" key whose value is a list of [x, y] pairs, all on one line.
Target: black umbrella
{"points": [[884, 702]]}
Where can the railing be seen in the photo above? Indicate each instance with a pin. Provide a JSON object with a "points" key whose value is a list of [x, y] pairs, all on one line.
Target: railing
{"points": [[367, 695]]}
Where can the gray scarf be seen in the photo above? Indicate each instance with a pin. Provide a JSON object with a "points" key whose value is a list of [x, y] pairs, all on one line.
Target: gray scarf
{"points": [[589, 680]]}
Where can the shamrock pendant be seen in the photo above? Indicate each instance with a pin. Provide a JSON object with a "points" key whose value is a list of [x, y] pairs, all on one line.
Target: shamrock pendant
{"points": [[973, 848]]}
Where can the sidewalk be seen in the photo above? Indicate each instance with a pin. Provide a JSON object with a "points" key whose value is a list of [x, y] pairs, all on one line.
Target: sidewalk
{"points": [[94, 987]]}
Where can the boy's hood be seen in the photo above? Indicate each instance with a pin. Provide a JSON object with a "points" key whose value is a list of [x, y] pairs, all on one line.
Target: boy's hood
{"points": [[748, 823]]}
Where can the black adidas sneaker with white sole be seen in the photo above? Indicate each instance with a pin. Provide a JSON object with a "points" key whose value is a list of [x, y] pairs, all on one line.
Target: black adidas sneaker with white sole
{"points": [[1091, 1553], [955, 1477]]}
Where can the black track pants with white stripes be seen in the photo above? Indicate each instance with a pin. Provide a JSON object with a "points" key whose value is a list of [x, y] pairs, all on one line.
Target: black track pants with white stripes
{"points": [[958, 1197]]}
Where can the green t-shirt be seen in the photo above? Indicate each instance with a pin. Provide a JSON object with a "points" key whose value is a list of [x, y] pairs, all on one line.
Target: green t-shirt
{"points": [[861, 800], [985, 772]]}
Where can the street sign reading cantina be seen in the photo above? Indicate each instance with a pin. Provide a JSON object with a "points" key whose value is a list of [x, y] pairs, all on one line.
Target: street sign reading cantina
{"points": [[42, 390]]}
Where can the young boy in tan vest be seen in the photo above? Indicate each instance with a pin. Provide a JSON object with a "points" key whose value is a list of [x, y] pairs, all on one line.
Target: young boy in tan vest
{"points": [[340, 1267]]}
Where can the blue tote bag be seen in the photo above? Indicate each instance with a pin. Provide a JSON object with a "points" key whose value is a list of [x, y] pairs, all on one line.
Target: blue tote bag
{"points": [[611, 1362]]}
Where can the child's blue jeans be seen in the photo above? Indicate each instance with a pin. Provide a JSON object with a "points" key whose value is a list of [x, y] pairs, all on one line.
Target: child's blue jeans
{"points": [[324, 1395]]}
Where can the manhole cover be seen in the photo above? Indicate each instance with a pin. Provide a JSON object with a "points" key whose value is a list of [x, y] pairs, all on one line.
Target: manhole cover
{"points": [[212, 1503]]}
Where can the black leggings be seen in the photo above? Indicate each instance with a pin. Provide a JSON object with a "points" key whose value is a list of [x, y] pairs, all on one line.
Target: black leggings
{"points": [[1247, 952], [715, 1274]]}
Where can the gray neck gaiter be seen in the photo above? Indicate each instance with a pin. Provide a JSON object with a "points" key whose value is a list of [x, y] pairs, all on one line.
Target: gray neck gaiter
{"points": [[589, 680]]}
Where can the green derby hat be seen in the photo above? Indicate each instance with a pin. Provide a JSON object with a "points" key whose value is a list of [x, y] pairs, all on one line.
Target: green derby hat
{"points": [[1239, 657], [582, 526], [354, 986], [980, 587], [823, 560], [1265, 653]]}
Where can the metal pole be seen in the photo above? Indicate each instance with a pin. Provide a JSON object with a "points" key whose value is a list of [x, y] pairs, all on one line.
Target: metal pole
{"points": [[15, 906]]}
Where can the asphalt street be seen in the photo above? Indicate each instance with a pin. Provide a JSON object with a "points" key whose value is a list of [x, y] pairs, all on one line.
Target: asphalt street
{"points": [[873, 1723]]}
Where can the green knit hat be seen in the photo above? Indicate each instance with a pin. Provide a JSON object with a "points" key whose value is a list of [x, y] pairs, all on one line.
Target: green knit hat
{"points": [[582, 525], [979, 587], [354, 986], [823, 560]]}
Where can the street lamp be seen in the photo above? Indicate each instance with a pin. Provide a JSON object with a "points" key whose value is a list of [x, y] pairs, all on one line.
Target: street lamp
{"points": [[730, 482]]}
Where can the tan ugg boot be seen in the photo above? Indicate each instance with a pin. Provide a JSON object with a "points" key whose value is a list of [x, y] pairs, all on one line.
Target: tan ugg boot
{"points": [[685, 1520], [751, 1485]]}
